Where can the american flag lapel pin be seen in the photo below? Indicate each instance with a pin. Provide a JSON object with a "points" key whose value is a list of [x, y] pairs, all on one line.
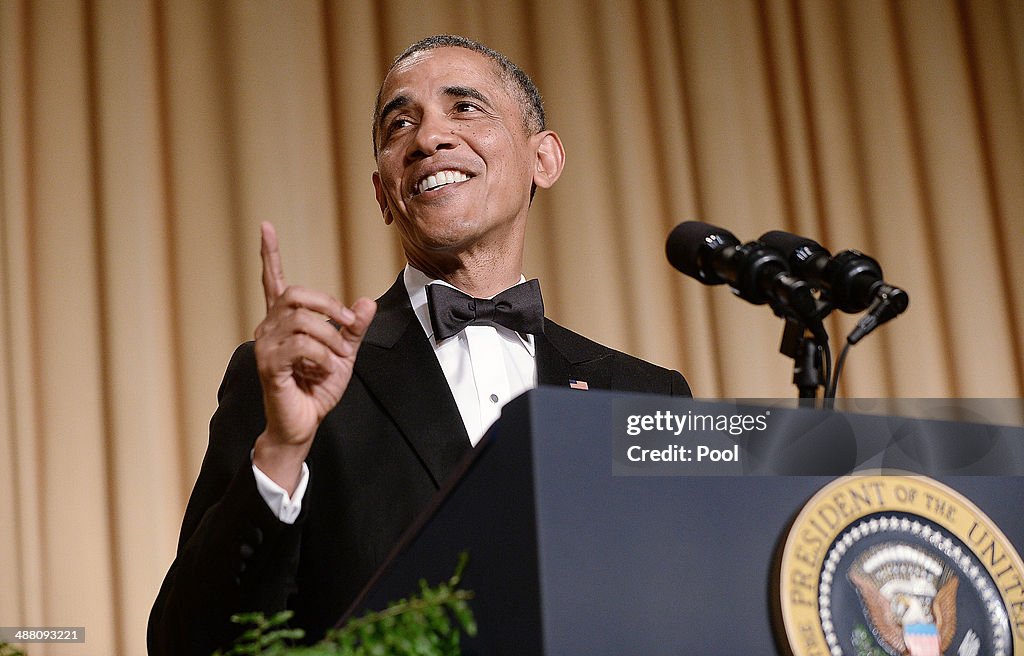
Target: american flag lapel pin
{"points": [[578, 384]]}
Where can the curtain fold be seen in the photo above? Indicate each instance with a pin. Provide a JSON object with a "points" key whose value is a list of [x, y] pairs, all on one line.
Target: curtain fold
{"points": [[143, 141]]}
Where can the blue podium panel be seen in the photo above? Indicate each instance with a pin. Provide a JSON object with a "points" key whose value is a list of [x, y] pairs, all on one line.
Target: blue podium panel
{"points": [[568, 558]]}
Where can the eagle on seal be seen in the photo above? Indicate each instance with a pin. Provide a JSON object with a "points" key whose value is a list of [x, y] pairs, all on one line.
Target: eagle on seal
{"points": [[909, 598]]}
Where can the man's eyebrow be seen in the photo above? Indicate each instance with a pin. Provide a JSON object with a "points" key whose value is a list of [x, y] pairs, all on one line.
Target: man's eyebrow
{"points": [[395, 103], [465, 92], [399, 102]]}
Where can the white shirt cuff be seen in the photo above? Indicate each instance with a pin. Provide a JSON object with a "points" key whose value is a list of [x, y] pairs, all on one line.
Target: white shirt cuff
{"points": [[287, 508]]}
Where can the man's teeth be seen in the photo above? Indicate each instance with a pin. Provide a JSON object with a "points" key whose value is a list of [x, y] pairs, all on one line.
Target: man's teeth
{"points": [[440, 179]]}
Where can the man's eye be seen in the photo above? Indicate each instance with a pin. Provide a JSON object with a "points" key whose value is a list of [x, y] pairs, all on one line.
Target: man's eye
{"points": [[395, 125], [466, 107]]}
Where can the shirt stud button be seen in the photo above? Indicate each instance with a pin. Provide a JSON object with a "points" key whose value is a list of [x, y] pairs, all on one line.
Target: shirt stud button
{"points": [[494, 398]]}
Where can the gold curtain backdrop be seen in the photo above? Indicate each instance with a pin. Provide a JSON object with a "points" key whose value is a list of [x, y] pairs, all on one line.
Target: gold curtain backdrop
{"points": [[142, 142]]}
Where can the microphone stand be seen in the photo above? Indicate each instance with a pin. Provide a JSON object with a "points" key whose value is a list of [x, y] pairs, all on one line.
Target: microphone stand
{"points": [[805, 340], [800, 345]]}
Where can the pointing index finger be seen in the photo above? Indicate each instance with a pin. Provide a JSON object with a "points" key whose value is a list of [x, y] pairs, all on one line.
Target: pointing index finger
{"points": [[273, 273]]}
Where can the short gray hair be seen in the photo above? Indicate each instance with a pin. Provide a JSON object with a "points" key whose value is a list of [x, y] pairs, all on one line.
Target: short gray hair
{"points": [[518, 82]]}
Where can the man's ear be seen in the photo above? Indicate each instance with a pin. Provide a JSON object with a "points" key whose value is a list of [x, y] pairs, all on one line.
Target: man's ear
{"points": [[550, 159], [382, 200]]}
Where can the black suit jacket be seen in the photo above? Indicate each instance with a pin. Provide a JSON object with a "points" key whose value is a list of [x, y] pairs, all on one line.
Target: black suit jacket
{"points": [[377, 460]]}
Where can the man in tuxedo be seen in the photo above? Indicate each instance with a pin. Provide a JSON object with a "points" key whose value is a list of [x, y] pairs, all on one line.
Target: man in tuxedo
{"points": [[330, 436]]}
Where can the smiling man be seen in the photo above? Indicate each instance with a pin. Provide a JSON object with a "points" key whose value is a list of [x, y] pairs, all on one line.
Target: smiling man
{"points": [[459, 150], [331, 436]]}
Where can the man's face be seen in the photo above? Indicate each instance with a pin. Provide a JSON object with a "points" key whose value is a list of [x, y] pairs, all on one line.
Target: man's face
{"points": [[454, 161]]}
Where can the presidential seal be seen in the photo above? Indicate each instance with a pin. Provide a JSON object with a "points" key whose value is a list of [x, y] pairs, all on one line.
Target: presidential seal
{"points": [[898, 566]]}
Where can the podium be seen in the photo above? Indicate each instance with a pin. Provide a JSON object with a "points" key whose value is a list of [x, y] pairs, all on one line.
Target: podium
{"points": [[567, 557]]}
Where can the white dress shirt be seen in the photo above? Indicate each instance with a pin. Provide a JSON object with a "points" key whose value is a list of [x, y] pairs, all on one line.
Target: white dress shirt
{"points": [[486, 366]]}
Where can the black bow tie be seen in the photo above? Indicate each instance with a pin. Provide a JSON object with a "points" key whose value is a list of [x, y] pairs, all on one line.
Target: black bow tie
{"points": [[518, 308]]}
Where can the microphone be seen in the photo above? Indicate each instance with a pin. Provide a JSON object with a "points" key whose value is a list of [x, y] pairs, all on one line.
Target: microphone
{"points": [[889, 303], [755, 272], [852, 280]]}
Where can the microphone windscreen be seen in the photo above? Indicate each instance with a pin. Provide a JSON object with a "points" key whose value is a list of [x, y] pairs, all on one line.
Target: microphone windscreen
{"points": [[787, 242], [686, 241]]}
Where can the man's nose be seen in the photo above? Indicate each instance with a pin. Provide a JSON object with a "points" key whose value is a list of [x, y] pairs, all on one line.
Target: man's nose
{"points": [[435, 132]]}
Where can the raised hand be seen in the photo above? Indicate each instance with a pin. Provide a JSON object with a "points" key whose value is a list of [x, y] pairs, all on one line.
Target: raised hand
{"points": [[304, 363]]}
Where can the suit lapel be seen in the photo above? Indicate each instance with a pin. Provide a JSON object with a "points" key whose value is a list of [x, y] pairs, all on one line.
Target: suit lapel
{"points": [[400, 370], [562, 355]]}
